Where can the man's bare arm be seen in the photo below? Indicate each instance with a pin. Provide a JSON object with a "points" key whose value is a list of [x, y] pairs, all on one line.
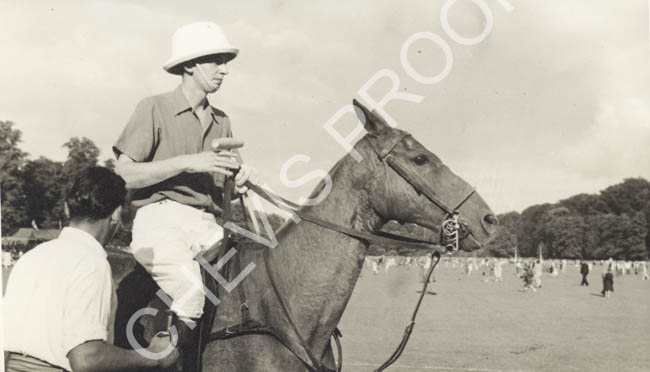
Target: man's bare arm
{"points": [[100, 356], [138, 175]]}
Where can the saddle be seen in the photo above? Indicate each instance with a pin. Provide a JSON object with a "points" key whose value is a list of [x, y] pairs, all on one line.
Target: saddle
{"points": [[138, 291]]}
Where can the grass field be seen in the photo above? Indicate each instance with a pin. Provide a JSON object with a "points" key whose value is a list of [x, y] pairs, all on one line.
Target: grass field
{"points": [[469, 325]]}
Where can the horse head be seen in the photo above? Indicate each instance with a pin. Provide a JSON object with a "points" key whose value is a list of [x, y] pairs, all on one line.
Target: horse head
{"points": [[412, 185]]}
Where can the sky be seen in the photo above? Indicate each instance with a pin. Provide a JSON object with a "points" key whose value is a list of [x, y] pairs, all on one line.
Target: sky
{"points": [[553, 102]]}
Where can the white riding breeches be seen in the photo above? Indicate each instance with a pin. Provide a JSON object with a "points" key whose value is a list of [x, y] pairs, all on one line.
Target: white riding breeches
{"points": [[167, 235]]}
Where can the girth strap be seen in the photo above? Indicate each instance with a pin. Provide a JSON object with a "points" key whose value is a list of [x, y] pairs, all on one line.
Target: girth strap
{"points": [[256, 328]]}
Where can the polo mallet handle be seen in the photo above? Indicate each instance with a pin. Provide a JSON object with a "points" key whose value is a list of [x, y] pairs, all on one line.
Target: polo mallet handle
{"points": [[226, 144]]}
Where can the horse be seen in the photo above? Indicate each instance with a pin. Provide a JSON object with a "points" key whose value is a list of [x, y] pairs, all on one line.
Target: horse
{"points": [[314, 268]]}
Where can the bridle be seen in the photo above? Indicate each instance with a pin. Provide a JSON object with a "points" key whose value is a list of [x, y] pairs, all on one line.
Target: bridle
{"points": [[450, 235], [451, 226]]}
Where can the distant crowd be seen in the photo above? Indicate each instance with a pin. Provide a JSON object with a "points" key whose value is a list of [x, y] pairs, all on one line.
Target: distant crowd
{"points": [[12, 252], [530, 270]]}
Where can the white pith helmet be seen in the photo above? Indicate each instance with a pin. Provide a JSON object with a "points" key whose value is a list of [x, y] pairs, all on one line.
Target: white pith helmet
{"points": [[197, 40]]}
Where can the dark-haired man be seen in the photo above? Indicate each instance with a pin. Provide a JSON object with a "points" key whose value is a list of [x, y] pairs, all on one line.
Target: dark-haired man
{"points": [[60, 294]]}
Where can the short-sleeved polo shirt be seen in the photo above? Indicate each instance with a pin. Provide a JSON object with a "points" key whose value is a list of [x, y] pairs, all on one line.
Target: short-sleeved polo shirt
{"points": [[165, 126], [59, 296]]}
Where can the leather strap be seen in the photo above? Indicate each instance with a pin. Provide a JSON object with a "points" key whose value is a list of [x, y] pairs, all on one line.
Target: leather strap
{"points": [[287, 313], [409, 327], [382, 238]]}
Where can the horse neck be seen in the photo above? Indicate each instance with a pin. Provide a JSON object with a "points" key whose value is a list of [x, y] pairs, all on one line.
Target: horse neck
{"points": [[318, 268]]}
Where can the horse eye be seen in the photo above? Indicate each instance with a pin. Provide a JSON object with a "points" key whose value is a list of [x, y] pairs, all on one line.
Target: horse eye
{"points": [[420, 159]]}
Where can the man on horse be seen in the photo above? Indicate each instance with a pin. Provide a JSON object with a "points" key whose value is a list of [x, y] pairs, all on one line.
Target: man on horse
{"points": [[164, 154], [59, 295]]}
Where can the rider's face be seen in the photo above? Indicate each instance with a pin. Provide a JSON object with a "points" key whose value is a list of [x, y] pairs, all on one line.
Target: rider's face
{"points": [[214, 70]]}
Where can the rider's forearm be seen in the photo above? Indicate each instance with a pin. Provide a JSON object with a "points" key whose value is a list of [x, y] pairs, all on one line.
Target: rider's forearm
{"points": [[140, 175], [101, 356]]}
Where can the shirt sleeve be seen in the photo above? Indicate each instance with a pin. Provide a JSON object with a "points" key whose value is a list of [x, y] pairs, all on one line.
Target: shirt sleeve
{"points": [[87, 306], [139, 137]]}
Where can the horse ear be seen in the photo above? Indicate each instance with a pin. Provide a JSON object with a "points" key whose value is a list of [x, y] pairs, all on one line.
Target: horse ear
{"points": [[373, 123]]}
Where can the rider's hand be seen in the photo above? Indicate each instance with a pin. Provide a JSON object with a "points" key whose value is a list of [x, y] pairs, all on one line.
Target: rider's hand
{"points": [[160, 342], [211, 162], [246, 174]]}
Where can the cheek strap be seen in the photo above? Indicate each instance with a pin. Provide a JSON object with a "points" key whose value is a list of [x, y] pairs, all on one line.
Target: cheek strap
{"points": [[204, 78]]}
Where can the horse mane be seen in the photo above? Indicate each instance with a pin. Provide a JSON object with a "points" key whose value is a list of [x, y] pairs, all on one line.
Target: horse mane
{"points": [[361, 146]]}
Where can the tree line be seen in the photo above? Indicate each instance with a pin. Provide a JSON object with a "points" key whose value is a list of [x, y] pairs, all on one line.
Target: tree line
{"points": [[33, 189], [613, 223]]}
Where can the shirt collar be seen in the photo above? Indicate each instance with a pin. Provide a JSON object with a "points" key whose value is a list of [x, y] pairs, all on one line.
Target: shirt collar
{"points": [[83, 237], [180, 104]]}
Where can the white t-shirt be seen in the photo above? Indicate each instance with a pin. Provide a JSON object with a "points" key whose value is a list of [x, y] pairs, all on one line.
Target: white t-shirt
{"points": [[58, 296]]}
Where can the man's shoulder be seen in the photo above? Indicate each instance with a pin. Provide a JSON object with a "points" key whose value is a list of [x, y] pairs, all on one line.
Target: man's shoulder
{"points": [[38, 252], [157, 98], [219, 112], [67, 253]]}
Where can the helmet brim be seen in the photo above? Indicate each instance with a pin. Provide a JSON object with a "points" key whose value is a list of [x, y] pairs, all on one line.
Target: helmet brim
{"points": [[175, 65]]}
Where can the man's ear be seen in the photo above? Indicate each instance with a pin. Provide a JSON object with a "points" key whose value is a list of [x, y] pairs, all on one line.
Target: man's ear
{"points": [[188, 68], [66, 210], [117, 214]]}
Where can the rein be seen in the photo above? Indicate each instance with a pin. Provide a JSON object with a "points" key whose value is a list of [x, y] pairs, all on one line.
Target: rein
{"points": [[383, 238], [409, 327]]}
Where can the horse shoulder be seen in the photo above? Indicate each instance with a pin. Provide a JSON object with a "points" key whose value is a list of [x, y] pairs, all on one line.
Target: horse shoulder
{"points": [[122, 263]]}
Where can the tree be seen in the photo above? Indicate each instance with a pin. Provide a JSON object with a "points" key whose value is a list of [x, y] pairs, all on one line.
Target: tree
{"points": [[82, 153], [645, 210], [586, 204], [619, 237], [506, 239], [44, 191], [563, 233], [632, 195], [530, 231], [12, 195], [635, 243], [503, 244], [591, 236], [629, 197]]}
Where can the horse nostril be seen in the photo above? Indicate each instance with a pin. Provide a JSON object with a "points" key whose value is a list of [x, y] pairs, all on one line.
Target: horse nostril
{"points": [[491, 219]]}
